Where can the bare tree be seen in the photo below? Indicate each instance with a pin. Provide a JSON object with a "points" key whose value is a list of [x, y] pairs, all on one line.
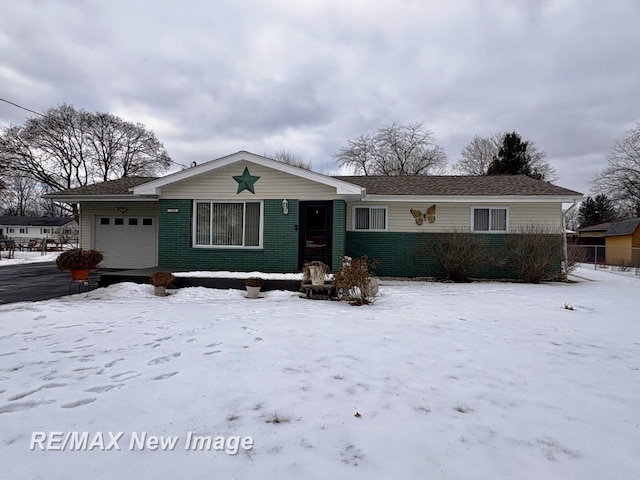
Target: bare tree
{"points": [[620, 180], [477, 156], [394, 150], [20, 197], [66, 148], [285, 156]]}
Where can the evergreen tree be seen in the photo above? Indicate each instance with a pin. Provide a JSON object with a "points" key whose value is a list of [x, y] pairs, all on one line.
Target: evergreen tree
{"points": [[594, 211], [513, 158]]}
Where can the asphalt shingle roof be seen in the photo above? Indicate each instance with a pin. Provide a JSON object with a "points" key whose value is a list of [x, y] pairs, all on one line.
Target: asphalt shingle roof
{"points": [[111, 187], [601, 227], [626, 227], [34, 221], [497, 185], [494, 185]]}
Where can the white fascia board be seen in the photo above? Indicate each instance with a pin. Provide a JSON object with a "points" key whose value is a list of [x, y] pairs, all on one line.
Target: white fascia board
{"points": [[154, 187], [101, 198], [474, 198]]}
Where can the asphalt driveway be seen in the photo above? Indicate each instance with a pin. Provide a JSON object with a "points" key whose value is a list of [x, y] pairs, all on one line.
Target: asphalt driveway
{"points": [[36, 281]]}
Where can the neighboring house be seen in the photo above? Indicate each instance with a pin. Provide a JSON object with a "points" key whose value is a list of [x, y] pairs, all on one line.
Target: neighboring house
{"points": [[622, 241], [245, 212], [36, 227], [593, 236]]}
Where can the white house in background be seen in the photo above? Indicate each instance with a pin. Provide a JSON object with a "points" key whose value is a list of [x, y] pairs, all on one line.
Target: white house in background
{"points": [[36, 227]]}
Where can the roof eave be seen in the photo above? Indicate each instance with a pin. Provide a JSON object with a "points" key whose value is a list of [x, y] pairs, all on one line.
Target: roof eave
{"points": [[476, 198], [101, 198]]}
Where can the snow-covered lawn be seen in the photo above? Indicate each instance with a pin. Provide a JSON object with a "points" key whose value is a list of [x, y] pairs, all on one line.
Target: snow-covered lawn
{"points": [[437, 381], [20, 258]]}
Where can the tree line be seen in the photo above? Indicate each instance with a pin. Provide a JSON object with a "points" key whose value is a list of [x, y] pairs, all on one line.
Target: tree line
{"points": [[67, 147]]}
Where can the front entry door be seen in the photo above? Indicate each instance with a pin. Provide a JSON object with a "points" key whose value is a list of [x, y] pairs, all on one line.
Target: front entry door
{"points": [[315, 232]]}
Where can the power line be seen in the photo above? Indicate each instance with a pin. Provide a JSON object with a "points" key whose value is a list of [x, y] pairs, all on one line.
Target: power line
{"points": [[171, 161], [20, 106]]}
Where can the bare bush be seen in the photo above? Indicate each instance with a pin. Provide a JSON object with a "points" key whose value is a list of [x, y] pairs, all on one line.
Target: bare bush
{"points": [[536, 252], [353, 280], [459, 254], [576, 254]]}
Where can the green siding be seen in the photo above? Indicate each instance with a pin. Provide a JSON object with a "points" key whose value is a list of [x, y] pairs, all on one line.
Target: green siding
{"points": [[400, 253], [339, 232], [280, 242]]}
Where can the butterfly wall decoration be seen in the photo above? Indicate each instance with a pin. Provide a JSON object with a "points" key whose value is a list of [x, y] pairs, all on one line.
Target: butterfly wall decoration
{"points": [[429, 215]]}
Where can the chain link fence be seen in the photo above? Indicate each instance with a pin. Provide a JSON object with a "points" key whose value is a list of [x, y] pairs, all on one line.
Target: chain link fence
{"points": [[624, 259]]}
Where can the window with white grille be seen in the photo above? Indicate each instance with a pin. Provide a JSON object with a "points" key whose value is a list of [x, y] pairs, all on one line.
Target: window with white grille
{"points": [[228, 224]]}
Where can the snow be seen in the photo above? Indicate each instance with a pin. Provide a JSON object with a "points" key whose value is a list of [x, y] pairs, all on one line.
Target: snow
{"points": [[21, 258], [450, 381], [242, 275]]}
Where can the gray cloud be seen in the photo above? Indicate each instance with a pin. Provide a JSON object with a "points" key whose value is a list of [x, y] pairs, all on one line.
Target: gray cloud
{"points": [[212, 78]]}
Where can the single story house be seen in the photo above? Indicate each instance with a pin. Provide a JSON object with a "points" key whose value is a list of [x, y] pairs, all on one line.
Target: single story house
{"points": [[245, 212], [622, 242], [16, 227]]}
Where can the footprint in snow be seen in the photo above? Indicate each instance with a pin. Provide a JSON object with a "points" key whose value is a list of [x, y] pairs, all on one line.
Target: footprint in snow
{"points": [[125, 376], [19, 396], [165, 359], [212, 352], [104, 388], [78, 403], [164, 376], [18, 406]]}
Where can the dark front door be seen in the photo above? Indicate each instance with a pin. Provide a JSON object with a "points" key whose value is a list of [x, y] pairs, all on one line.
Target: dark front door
{"points": [[315, 232]]}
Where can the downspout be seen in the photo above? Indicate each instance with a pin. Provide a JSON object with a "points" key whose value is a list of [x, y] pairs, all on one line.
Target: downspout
{"points": [[564, 238]]}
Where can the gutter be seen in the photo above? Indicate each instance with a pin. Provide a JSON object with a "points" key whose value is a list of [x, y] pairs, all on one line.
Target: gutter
{"points": [[564, 238]]}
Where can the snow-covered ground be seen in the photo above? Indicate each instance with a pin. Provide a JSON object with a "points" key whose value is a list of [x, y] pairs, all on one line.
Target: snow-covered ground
{"points": [[20, 258], [435, 380]]}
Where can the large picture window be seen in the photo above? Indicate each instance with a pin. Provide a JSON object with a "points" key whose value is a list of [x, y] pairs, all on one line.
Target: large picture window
{"points": [[369, 218], [489, 219], [228, 224]]}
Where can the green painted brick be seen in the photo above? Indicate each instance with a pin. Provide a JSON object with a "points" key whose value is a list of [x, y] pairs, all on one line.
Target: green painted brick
{"points": [[280, 241], [401, 254]]}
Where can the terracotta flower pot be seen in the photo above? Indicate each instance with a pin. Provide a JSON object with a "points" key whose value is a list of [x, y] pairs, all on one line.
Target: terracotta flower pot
{"points": [[79, 275]]}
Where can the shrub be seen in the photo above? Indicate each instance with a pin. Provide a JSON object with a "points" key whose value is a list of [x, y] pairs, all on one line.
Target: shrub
{"points": [[79, 259], [459, 254], [162, 279], [537, 253], [576, 254], [353, 280], [254, 282]]}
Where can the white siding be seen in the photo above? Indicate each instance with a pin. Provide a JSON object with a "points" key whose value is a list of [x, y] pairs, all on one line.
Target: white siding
{"points": [[457, 216], [220, 185]]}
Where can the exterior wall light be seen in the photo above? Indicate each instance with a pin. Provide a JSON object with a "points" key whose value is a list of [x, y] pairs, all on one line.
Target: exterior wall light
{"points": [[285, 206]]}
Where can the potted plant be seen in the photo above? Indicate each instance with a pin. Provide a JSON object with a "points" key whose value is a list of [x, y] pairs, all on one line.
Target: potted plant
{"points": [[80, 262], [253, 285], [161, 281]]}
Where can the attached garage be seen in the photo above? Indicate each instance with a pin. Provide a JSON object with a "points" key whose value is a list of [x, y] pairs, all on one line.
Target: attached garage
{"points": [[126, 241]]}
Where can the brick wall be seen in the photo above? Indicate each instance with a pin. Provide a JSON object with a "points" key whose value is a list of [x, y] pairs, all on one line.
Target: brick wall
{"points": [[280, 241]]}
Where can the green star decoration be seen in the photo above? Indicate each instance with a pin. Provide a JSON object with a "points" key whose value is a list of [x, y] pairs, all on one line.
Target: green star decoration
{"points": [[245, 181]]}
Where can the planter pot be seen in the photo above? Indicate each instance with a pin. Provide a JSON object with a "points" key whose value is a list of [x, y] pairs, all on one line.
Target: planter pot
{"points": [[317, 275], [80, 275], [160, 291], [253, 292]]}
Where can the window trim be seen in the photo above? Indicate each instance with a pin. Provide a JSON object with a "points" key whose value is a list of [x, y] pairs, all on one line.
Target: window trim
{"points": [[381, 207], [490, 208], [194, 229]]}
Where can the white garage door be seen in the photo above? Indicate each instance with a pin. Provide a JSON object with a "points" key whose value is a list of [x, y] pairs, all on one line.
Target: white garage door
{"points": [[126, 242]]}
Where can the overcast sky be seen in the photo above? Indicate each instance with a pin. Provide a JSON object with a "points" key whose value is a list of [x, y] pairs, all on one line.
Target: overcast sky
{"points": [[214, 77]]}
